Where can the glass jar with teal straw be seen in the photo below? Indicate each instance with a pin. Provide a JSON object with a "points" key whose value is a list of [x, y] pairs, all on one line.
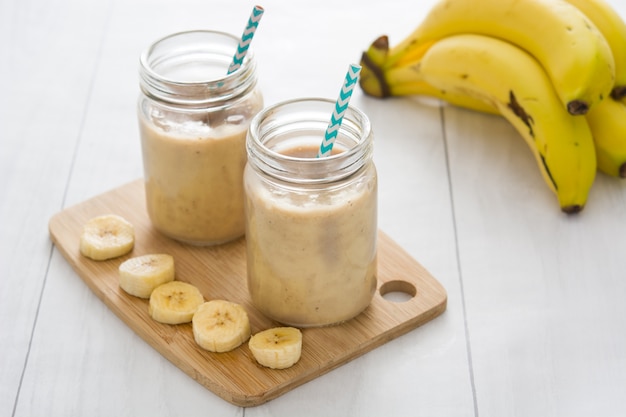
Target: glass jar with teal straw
{"points": [[193, 118], [311, 222]]}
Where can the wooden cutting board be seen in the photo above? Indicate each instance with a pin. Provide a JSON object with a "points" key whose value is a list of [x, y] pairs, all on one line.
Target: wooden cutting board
{"points": [[220, 273]]}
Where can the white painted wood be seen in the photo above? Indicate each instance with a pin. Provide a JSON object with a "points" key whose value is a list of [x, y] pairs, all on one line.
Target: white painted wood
{"points": [[543, 291], [43, 92], [536, 321]]}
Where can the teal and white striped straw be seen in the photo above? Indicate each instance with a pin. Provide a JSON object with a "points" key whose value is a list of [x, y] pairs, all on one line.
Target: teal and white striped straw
{"points": [[246, 38], [341, 106]]}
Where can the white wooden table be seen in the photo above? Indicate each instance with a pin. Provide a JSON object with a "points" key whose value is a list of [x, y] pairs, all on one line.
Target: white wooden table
{"points": [[536, 317]]}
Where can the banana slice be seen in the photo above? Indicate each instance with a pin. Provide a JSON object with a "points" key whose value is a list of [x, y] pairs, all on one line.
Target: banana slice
{"points": [[220, 326], [277, 348], [105, 237], [174, 302], [139, 276]]}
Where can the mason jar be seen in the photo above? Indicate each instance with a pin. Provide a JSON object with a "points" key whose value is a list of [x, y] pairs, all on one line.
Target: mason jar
{"points": [[193, 119], [311, 223]]}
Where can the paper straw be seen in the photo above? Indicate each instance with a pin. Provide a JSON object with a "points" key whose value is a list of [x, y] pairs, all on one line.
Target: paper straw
{"points": [[246, 38], [341, 105]]}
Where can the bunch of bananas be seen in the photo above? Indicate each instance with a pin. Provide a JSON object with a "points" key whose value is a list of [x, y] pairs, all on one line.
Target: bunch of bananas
{"points": [[555, 69]]}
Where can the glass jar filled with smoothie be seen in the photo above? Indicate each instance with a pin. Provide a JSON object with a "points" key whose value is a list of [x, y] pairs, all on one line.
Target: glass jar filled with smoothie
{"points": [[193, 119], [311, 223]]}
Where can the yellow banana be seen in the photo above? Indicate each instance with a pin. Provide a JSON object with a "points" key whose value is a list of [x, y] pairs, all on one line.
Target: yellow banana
{"points": [[378, 50], [404, 81], [608, 127], [372, 79], [451, 97], [573, 52], [480, 67], [607, 120], [613, 28]]}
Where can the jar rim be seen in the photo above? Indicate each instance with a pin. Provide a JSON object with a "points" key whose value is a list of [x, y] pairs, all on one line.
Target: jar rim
{"points": [[355, 125], [192, 53], [259, 117], [147, 52]]}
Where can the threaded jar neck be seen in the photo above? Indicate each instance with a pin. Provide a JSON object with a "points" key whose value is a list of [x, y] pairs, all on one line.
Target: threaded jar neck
{"points": [[189, 69], [301, 123]]}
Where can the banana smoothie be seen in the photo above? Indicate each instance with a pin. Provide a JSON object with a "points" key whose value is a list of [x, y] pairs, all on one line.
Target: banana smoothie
{"points": [[193, 182], [193, 118], [312, 254]]}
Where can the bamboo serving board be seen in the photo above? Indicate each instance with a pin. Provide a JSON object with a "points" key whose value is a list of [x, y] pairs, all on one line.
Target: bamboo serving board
{"points": [[220, 273]]}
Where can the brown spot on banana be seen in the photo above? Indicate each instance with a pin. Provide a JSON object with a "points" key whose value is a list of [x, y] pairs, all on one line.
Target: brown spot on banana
{"points": [[545, 166], [577, 107], [520, 112]]}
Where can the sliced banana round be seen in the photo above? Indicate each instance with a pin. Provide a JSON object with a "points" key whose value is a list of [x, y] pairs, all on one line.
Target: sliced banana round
{"points": [[139, 276], [277, 348], [174, 302], [220, 325], [105, 237]]}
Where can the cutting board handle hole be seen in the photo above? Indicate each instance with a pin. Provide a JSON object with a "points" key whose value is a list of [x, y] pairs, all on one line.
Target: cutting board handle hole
{"points": [[397, 291]]}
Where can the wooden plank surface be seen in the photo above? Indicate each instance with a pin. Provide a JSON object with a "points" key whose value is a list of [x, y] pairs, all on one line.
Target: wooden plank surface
{"points": [[220, 272]]}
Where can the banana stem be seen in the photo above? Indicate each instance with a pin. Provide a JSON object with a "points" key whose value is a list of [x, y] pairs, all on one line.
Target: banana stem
{"points": [[618, 92], [370, 68]]}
